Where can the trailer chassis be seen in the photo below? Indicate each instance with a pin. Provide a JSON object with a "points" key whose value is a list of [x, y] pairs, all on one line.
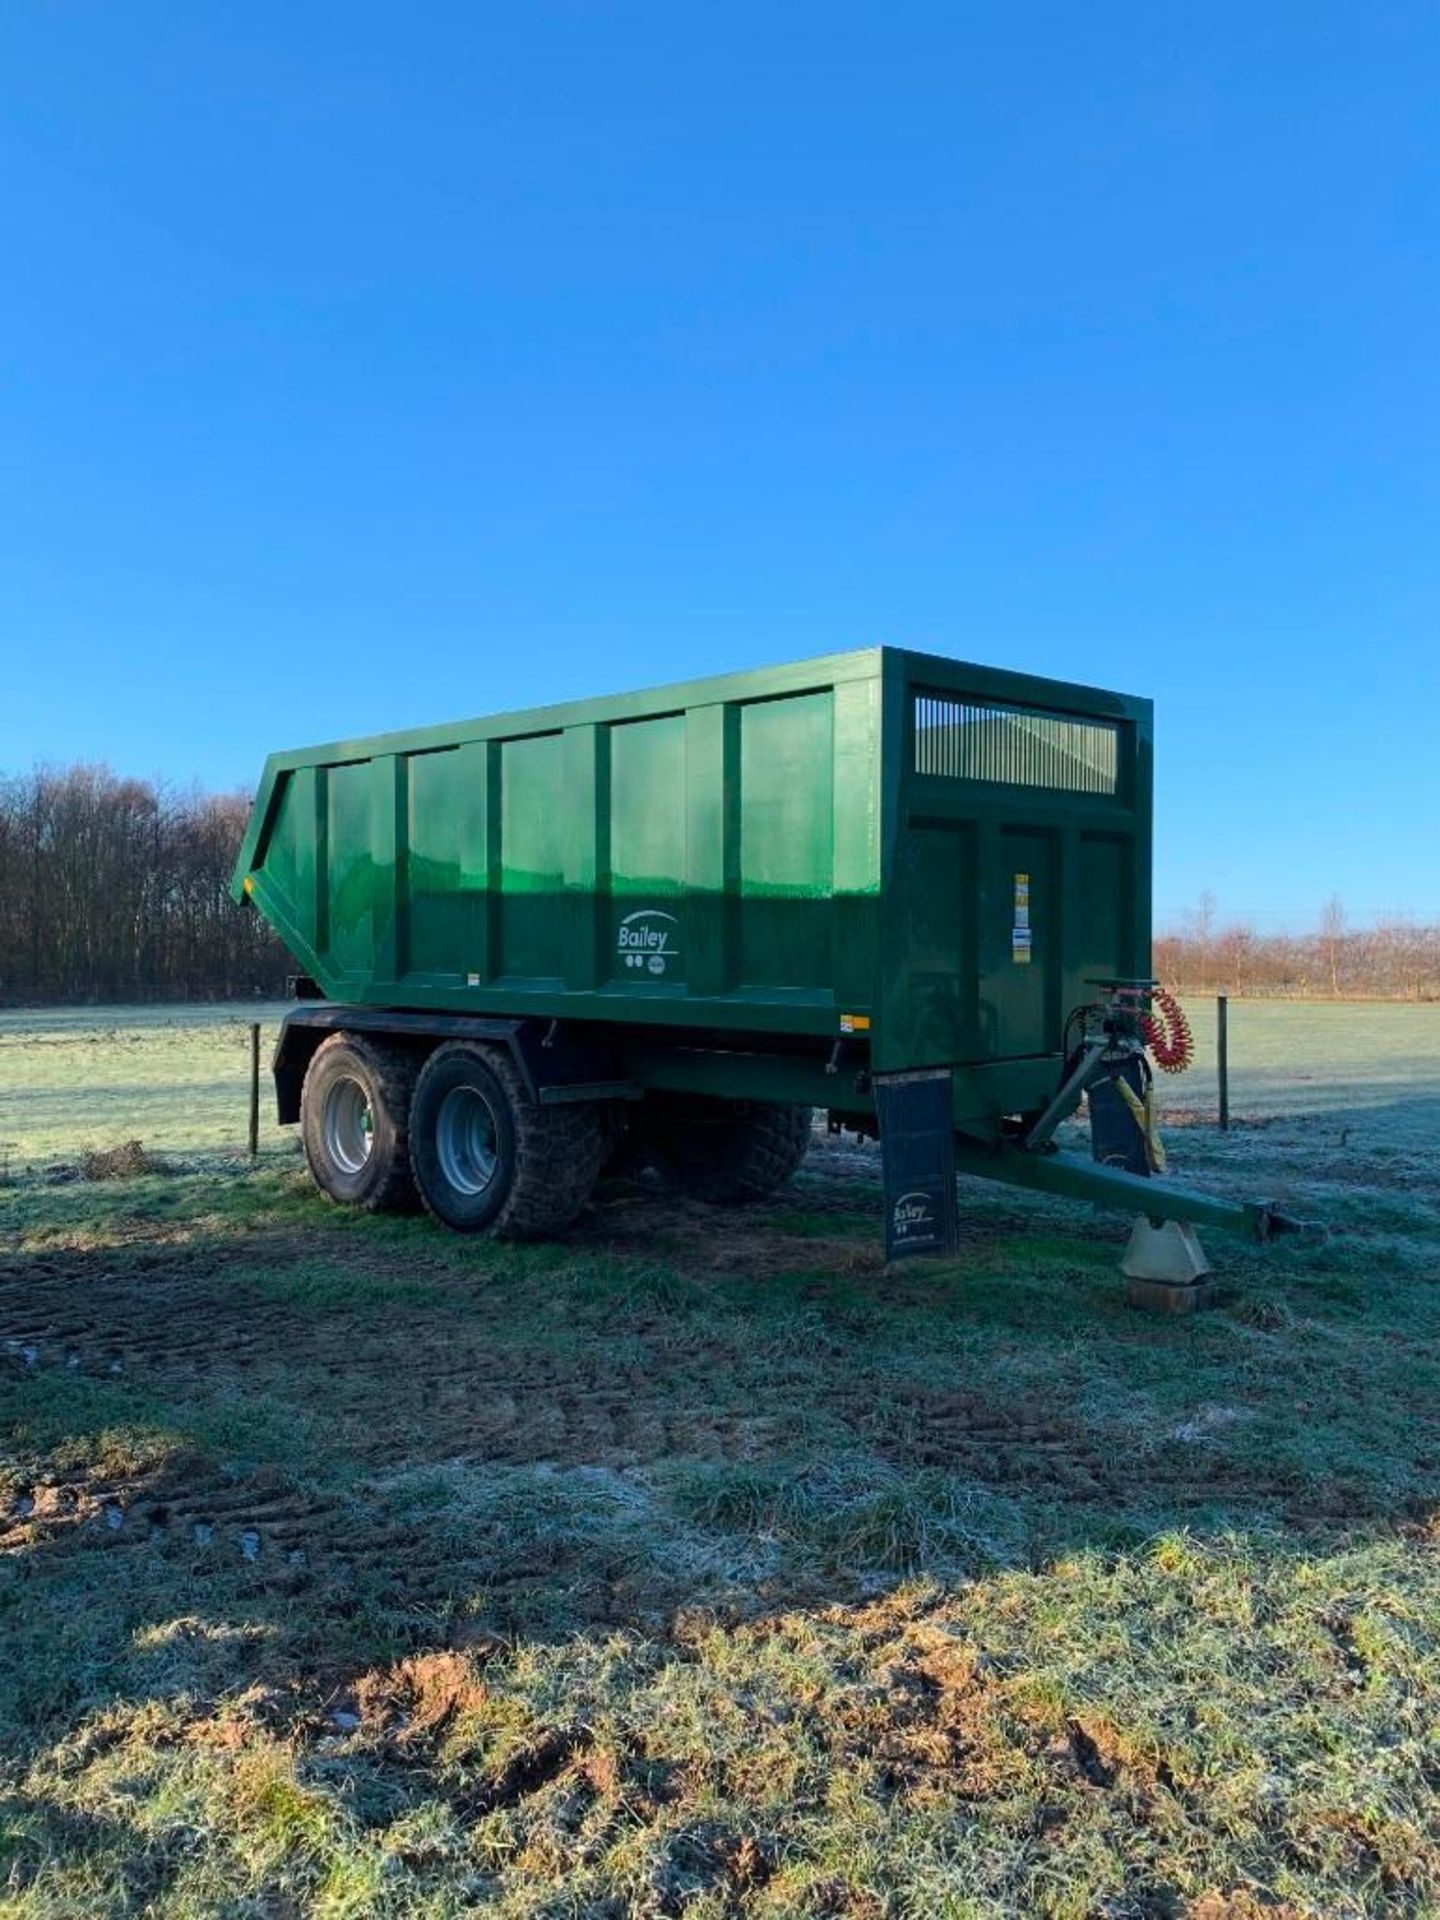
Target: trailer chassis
{"points": [[565, 1062]]}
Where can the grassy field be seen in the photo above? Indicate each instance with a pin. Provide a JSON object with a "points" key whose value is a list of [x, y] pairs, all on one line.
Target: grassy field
{"points": [[698, 1566], [74, 1079]]}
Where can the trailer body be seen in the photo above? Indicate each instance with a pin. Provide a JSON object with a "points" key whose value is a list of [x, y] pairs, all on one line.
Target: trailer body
{"points": [[773, 885]]}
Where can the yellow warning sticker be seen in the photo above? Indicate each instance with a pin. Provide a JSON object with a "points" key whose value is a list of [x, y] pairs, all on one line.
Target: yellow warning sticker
{"points": [[1020, 931]]}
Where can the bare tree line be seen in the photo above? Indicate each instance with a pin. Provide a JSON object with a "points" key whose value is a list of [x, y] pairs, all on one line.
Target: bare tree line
{"points": [[118, 889], [1393, 959]]}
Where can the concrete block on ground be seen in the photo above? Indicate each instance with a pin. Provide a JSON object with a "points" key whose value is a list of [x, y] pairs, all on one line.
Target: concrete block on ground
{"points": [[1166, 1269]]}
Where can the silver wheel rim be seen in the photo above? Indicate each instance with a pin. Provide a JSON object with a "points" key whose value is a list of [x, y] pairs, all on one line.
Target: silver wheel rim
{"points": [[467, 1140], [349, 1125]]}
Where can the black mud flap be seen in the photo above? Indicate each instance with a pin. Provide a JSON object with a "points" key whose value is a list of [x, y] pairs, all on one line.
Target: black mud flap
{"points": [[917, 1155]]}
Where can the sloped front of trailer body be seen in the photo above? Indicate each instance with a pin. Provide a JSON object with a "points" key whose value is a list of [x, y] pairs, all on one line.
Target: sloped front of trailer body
{"points": [[704, 855]]}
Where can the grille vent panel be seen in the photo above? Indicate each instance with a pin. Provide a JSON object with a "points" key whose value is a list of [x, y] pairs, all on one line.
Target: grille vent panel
{"points": [[970, 740]]}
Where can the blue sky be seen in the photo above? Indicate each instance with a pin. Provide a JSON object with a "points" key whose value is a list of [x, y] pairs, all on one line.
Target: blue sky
{"points": [[368, 365]]}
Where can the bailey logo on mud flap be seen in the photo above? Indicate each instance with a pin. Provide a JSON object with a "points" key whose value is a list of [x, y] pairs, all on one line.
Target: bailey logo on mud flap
{"points": [[648, 941], [913, 1213]]}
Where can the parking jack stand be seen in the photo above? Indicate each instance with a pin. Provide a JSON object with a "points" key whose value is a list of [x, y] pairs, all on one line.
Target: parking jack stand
{"points": [[1165, 1268]]}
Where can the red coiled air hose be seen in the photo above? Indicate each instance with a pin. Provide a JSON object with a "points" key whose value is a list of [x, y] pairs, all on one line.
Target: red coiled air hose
{"points": [[1172, 1045]]}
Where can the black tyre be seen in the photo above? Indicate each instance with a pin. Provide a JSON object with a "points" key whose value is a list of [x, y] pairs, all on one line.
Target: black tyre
{"points": [[624, 1143], [488, 1158], [354, 1120], [729, 1152]]}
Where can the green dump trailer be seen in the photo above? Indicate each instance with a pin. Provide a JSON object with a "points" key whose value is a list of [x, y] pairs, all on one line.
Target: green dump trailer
{"points": [[907, 891]]}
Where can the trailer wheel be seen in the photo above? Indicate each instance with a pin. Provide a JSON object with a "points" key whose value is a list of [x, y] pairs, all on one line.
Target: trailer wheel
{"points": [[728, 1152], [488, 1158], [624, 1143], [354, 1121]]}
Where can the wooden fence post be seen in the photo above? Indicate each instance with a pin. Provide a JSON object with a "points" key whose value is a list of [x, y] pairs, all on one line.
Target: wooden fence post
{"points": [[1222, 1056], [254, 1089]]}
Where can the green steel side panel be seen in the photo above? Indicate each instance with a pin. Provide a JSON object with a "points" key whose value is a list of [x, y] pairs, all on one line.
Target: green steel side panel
{"points": [[349, 871], [533, 827], [656, 946], [935, 1019], [787, 843], [447, 869], [1019, 1011], [1107, 906]]}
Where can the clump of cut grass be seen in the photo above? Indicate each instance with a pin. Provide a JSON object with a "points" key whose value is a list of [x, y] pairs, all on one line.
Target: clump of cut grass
{"points": [[129, 1161], [855, 1517]]}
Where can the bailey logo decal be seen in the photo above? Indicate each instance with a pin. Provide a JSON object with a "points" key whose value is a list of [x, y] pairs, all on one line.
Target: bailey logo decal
{"points": [[913, 1213], [647, 940]]}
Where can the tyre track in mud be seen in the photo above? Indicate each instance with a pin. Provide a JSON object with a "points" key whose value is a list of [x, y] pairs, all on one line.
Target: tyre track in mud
{"points": [[391, 1389], [422, 1386], [256, 1543], [416, 1383], [394, 1392]]}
